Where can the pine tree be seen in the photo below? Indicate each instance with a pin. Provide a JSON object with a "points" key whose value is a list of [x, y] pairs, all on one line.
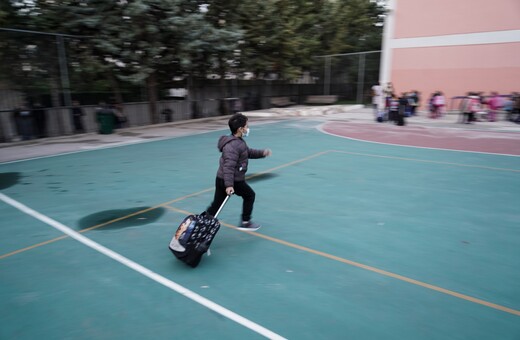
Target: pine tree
{"points": [[143, 40], [281, 36]]}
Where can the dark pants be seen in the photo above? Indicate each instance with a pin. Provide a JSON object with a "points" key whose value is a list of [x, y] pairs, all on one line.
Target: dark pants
{"points": [[40, 124], [392, 115], [78, 124], [470, 117], [26, 127], [242, 189]]}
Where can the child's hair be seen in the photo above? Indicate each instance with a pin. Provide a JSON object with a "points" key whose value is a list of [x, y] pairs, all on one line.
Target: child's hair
{"points": [[237, 121]]}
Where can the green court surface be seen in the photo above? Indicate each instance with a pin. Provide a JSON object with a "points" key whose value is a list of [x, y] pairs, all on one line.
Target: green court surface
{"points": [[359, 241]]}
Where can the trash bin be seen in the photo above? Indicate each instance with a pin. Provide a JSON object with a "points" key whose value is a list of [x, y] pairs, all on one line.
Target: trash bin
{"points": [[230, 106], [106, 121]]}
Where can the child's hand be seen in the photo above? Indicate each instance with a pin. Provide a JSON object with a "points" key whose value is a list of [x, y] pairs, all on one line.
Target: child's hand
{"points": [[267, 152]]}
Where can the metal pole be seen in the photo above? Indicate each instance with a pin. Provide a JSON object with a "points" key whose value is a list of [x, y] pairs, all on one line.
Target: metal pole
{"points": [[325, 75], [361, 78], [64, 72], [326, 83]]}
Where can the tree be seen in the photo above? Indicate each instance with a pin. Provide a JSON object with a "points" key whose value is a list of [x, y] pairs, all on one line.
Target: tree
{"points": [[281, 36], [158, 37], [350, 26], [150, 41], [24, 57], [31, 58]]}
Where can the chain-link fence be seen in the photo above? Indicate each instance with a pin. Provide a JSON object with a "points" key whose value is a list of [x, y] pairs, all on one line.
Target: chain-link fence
{"points": [[350, 75], [50, 71]]}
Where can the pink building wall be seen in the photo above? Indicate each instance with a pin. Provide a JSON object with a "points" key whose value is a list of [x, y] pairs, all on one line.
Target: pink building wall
{"points": [[419, 18], [453, 46]]}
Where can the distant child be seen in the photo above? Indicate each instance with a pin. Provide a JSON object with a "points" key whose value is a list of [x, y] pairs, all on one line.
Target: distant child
{"points": [[495, 103], [77, 112], [403, 105], [439, 103], [232, 170], [393, 108]]}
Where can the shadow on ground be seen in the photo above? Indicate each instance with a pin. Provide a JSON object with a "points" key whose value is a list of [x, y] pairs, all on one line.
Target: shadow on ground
{"points": [[146, 217], [8, 179], [260, 177]]}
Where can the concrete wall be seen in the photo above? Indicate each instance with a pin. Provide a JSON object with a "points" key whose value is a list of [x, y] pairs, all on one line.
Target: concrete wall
{"points": [[59, 120]]}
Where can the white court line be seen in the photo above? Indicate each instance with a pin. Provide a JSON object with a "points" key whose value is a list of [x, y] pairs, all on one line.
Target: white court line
{"points": [[321, 128], [143, 270], [191, 132]]}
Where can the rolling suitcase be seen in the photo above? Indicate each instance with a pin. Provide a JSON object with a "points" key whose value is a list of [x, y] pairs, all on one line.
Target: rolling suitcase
{"points": [[194, 236]]}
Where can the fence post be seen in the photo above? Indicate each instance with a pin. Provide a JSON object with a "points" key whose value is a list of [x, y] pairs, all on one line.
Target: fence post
{"points": [[361, 78], [64, 71], [326, 82]]}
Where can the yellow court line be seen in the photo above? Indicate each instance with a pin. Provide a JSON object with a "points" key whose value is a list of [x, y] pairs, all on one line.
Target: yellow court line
{"points": [[369, 268], [291, 163], [251, 176], [356, 264], [424, 161], [33, 246], [100, 225], [158, 206]]}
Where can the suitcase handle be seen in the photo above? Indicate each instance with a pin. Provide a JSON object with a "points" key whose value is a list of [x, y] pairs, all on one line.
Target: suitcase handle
{"points": [[222, 206]]}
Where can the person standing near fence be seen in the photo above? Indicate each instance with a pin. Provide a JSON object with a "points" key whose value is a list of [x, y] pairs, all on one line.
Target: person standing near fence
{"points": [[40, 120], [393, 109], [120, 119], [24, 121], [515, 111], [77, 113], [439, 103], [403, 105], [414, 102], [470, 106], [377, 99], [494, 103], [464, 109], [167, 113]]}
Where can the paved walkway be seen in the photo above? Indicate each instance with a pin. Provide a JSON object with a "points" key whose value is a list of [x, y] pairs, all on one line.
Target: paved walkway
{"points": [[14, 151]]}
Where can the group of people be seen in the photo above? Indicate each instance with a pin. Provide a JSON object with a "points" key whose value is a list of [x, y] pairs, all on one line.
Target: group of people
{"points": [[31, 120], [474, 106], [390, 107], [475, 103]]}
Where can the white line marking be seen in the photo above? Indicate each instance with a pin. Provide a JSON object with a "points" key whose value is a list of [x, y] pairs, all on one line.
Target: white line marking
{"points": [[321, 128], [479, 38], [122, 144], [143, 270]]}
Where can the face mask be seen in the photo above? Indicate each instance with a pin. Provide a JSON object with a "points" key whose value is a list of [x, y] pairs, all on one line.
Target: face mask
{"points": [[246, 133]]}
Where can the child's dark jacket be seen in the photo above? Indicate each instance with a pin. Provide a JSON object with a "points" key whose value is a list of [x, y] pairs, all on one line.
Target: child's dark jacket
{"points": [[234, 159]]}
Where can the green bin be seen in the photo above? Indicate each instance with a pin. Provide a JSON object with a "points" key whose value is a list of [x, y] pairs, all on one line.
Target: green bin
{"points": [[106, 122]]}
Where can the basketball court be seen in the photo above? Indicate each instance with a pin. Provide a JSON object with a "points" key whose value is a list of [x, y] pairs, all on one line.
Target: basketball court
{"points": [[370, 231]]}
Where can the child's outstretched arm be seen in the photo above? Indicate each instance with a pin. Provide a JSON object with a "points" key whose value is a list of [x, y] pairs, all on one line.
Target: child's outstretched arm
{"points": [[258, 153]]}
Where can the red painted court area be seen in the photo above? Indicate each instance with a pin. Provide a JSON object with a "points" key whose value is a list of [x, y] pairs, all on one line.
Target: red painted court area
{"points": [[429, 137]]}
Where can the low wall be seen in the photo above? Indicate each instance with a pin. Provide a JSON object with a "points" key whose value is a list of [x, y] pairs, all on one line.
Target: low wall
{"points": [[59, 120]]}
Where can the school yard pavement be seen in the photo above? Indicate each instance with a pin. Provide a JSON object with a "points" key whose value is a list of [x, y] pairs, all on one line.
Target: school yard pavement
{"points": [[14, 151]]}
